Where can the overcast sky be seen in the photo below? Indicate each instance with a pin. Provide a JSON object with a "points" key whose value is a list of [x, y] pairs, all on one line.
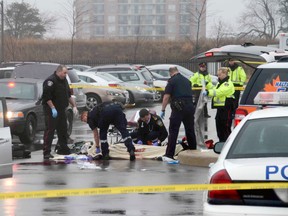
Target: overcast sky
{"points": [[228, 10]]}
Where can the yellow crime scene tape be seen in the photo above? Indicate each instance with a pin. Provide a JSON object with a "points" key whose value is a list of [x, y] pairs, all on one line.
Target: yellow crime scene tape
{"points": [[140, 189], [125, 88]]}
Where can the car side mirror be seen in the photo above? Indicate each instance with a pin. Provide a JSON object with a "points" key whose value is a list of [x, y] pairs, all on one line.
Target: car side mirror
{"points": [[218, 147]]}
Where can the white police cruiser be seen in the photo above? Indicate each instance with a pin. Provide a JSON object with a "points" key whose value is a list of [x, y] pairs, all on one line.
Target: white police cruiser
{"points": [[255, 152]]}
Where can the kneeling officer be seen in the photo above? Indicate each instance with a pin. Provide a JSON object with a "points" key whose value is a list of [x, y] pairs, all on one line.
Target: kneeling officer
{"points": [[101, 117]]}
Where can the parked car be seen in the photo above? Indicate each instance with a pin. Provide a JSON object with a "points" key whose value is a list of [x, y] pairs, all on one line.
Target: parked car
{"points": [[124, 72], [96, 95], [5, 143], [5, 72], [255, 152], [138, 74], [43, 70], [136, 92], [79, 67], [24, 110], [163, 70]]}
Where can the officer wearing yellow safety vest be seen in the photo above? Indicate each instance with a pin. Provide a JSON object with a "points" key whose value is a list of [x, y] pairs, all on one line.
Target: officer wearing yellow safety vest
{"points": [[238, 77], [222, 100], [196, 81]]}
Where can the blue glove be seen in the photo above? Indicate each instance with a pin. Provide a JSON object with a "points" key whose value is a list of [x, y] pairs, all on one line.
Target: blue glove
{"points": [[155, 143], [140, 142], [98, 150], [54, 112], [204, 93], [162, 114]]}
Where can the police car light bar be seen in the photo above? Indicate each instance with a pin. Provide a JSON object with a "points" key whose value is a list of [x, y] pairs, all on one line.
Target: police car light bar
{"points": [[263, 98]]}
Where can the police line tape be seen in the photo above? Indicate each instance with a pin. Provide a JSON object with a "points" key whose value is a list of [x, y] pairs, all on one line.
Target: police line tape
{"points": [[140, 189], [135, 88]]}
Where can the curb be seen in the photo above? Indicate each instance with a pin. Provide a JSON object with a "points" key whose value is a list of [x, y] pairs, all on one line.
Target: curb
{"points": [[200, 158]]}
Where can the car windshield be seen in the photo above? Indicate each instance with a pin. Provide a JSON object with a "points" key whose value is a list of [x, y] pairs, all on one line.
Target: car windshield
{"points": [[17, 90], [108, 77], [261, 138]]}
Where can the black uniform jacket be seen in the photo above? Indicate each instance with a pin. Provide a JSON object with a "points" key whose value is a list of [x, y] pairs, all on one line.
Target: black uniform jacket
{"points": [[155, 124], [56, 90]]}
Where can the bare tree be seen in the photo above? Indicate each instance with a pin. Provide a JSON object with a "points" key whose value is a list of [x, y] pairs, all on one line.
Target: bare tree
{"points": [[74, 16], [220, 31], [261, 19], [196, 11]]}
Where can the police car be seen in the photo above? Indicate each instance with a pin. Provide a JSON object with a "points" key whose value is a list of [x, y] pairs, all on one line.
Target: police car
{"points": [[255, 152]]}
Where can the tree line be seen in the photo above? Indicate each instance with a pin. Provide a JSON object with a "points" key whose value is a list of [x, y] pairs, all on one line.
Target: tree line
{"points": [[25, 29]]}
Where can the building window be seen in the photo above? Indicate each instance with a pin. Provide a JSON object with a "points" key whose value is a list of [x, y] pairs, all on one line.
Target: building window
{"points": [[111, 19], [160, 19], [171, 7], [171, 18], [160, 30], [98, 19], [99, 30], [160, 9], [111, 29], [123, 9]]}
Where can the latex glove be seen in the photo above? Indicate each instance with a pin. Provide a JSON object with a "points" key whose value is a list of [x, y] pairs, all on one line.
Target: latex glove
{"points": [[162, 114], [75, 111], [155, 143], [98, 150], [54, 112], [140, 142], [205, 93]]}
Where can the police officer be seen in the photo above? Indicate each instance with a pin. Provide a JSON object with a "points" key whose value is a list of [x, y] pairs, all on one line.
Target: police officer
{"points": [[197, 79], [238, 77], [222, 100], [55, 99], [101, 116], [179, 92], [151, 129]]}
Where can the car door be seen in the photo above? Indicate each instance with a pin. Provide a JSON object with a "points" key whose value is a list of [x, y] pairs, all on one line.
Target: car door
{"points": [[5, 143]]}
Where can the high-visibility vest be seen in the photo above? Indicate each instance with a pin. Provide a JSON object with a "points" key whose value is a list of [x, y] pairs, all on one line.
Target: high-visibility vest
{"points": [[225, 90], [198, 77], [237, 76]]}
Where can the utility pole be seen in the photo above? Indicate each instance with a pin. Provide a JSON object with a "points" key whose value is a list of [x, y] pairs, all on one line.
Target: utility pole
{"points": [[2, 32]]}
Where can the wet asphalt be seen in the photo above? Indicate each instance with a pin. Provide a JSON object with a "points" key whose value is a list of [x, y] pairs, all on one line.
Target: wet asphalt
{"points": [[36, 174]]}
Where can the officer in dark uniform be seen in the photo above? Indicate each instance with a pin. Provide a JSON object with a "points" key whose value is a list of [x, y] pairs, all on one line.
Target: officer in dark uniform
{"points": [[179, 92], [55, 99], [151, 129], [101, 116]]}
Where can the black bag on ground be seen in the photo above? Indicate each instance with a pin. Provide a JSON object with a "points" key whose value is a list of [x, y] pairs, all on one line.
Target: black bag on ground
{"points": [[20, 151]]}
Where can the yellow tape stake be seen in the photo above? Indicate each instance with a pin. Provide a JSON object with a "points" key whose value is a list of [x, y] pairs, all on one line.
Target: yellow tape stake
{"points": [[139, 189]]}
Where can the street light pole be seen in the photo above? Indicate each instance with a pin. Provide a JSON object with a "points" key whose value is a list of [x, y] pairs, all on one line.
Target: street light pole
{"points": [[2, 32]]}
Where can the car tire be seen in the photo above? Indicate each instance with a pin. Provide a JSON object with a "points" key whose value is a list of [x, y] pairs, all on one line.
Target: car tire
{"points": [[69, 116], [28, 135], [131, 98], [92, 101], [158, 96]]}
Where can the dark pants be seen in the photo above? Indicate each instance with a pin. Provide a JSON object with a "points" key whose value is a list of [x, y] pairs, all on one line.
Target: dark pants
{"points": [[223, 123], [59, 124], [177, 117], [113, 115], [236, 101]]}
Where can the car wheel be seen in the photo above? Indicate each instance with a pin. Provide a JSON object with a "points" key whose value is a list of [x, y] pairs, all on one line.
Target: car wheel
{"points": [[158, 96], [131, 98], [69, 115], [92, 101], [28, 136]]}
